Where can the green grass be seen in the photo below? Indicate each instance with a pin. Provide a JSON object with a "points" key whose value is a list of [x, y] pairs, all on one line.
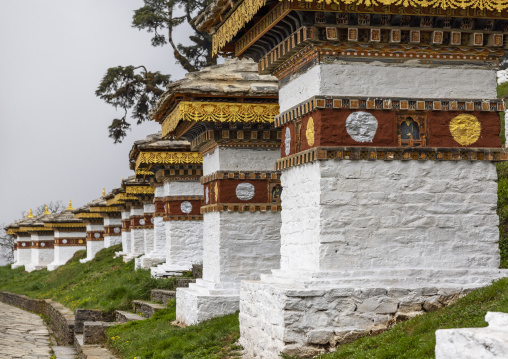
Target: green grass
{"points": [[502, 90], [157, 338], [502, 134], [502, 211], [104, 283]]}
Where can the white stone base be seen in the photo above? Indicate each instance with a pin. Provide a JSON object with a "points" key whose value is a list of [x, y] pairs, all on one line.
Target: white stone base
{"points": [[165, 270], [475, 343], [147, 262], [203, 301], [110, 241], [62, 255], [92, 248], [316, 311]]}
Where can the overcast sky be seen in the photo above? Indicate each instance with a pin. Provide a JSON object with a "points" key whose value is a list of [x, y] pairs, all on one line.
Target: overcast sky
{"points": [[54, 141]]}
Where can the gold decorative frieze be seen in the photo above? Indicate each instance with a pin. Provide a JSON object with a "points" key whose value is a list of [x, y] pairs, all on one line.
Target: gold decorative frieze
{"points": [[139, 190], [247, 9], [87, 215], [10, 232], [65, 225], [220, 112], [144, 173], [120, 198], [34, 229], [168, 158], [107, 209], [240, 207]]}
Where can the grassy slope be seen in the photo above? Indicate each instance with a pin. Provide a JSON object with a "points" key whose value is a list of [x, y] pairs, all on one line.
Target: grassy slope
{"points": [[104, 283], [156, 338]]}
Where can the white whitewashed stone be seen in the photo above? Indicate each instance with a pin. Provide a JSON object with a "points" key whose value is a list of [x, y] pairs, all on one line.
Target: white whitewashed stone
{"points": [[231, 159], [376, 79], [40, 257], [62, 254], [184, 239], [112, 240], [475, 343], [502, 76], [366, 242], [245, 191], [361, 126]]}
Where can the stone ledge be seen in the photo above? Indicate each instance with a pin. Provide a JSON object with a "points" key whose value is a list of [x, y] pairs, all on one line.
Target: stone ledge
{"points": [[162, 296], [125, 317], [146, 308]]}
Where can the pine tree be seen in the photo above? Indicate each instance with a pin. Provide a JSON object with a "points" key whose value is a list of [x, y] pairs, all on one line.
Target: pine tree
{"points": [[134, 88]]}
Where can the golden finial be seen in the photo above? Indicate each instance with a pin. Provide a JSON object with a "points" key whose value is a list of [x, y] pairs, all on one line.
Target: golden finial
{"points": [[30, 214], [70, 206], [46, 211], [103, 191]]}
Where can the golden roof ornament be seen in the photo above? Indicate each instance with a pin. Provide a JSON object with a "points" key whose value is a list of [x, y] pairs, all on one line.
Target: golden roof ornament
{"points": [[46, 211], [70, 206], [30, 214], [103, 191]]}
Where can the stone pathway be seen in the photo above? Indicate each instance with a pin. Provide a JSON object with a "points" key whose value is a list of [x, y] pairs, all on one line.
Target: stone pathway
{"points": [[23, 334]]}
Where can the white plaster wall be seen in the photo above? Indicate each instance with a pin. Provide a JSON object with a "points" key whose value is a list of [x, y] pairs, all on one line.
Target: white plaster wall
{"points": [[110, 241], [389, 80], [137, 241], [137, 211], [94, 227], [390, 214], [159, 192], [126, 242], [41, 257], [159, 236], [475, 343], [184, 243], [24, 256], [59, 234], [148, 240], [63, 254], [240, 246], [92, 247], [148, 207], [183, 188], [231, 159], [112, 221]]}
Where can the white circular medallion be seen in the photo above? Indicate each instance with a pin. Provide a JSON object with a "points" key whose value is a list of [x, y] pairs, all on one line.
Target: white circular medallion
{"points": [[186, 207], [245, 191], [152, 220], [287, 141], [142, 222], [207, 195], [116, 230], [97, 235], [361, 126], [43, 244], [64, 241], [23, 244]]}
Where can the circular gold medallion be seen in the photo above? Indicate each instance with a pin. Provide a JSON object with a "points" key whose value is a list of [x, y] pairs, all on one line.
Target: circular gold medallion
{"points": [[465, 129], [310, 131]]}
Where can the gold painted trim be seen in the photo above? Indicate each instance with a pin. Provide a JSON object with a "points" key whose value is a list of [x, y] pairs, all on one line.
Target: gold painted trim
{"points": [[34, 229], [246, 11], [87, 215], [220, 112], [65, 225], [151, 158], [144, 173], [139, 190], [104, 209], [120, 198], [10, 232]]}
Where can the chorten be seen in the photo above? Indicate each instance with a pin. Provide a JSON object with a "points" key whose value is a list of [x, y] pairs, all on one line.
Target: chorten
{"points": [[391, 128], [69, 233], [43, 241], [226, 112]]}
